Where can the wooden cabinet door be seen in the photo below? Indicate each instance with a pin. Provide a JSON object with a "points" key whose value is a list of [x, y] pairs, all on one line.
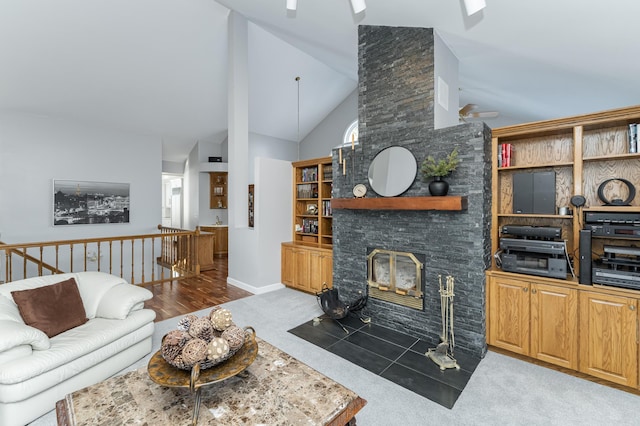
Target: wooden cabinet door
{"points": [[206, 247], [509, 311], [327, 269], [321, 270], [301, 269], [222, 240], [554, 325], [286, 265], [608, 341]]}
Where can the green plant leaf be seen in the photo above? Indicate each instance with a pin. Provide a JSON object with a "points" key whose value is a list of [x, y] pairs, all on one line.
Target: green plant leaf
{"points": [[443, 167]]}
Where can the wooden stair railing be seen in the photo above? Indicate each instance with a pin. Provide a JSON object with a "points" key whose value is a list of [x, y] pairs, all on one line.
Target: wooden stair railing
{"points": [[179, 250], [140, 259]]}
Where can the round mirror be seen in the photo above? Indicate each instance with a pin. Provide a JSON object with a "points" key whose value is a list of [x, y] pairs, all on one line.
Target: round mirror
{"points": [[392, 171]]}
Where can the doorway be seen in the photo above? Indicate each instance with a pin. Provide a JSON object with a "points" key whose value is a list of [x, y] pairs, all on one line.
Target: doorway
{"points": [[172, 205]]}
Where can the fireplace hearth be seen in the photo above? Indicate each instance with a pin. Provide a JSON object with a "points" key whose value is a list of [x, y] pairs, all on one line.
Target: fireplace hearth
{"points": [[392, 355]]}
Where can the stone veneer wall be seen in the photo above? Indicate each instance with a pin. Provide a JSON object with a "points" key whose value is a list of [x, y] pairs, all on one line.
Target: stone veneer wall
{"points": [[396, 109]]}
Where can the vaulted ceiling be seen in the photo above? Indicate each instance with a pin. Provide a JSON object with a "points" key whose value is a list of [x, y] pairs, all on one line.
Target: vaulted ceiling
{"points": [[159, 66]]}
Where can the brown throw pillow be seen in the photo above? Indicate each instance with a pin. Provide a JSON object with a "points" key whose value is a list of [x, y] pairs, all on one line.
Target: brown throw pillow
{"points": [[53, 308]]}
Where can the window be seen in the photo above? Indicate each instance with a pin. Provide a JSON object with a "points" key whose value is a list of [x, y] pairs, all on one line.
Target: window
{"points": [[351, 134]]}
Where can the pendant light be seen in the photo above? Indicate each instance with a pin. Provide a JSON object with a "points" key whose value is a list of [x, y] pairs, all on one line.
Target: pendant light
{"points": [[298, 135]]}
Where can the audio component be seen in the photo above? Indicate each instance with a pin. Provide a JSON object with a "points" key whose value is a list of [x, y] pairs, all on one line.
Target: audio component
{"points": [[527, 231], [618, 267], [534, 193], [585, 256], [534, 257], [621, 218]]}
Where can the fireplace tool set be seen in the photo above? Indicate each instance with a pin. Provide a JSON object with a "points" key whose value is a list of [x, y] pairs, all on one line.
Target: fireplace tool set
{"points": [[443, 353], [336, 309]]}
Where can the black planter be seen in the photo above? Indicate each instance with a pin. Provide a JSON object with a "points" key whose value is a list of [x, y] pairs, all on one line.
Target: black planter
{"points": [[438, 187]]}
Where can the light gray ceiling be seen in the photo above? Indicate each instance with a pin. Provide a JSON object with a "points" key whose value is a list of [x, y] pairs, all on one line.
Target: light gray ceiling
{"points": [[159, 66]]}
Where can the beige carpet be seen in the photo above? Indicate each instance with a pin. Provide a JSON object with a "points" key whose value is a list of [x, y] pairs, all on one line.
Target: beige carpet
{"points": [[502, 390]]}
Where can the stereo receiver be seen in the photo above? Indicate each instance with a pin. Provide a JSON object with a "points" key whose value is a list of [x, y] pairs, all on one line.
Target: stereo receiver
{"points": [[618, 267], [534, 257]]}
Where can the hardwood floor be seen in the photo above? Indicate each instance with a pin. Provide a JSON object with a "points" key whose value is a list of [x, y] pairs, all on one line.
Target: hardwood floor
{"points": [[175, 298]]}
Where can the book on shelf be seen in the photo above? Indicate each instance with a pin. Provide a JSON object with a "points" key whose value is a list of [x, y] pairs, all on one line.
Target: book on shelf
{"points": [[326, 208], [327, 171], [310, 226], [505, 155], [307, 190], [309, 174], [633, 138]]}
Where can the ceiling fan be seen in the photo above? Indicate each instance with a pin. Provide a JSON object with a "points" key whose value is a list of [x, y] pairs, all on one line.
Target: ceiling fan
{"points": [[467, 112]]}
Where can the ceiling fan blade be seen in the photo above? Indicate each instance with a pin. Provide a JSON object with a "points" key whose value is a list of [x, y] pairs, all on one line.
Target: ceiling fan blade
{"points": [[465, 110], [484, 114]]}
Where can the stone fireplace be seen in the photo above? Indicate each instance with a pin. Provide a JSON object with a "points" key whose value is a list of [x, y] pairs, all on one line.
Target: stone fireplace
{"points": [[395, 108]]}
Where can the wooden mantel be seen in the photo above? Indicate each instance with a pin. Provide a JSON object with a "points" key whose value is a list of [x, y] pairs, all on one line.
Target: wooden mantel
{"points": [[452, 203]]}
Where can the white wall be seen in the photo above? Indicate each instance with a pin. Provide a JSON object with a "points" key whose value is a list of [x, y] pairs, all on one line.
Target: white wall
{"points": [[173, 167], [207, 216], [36, 150], [191, 190], [445, 77], [329, 133], [256, 259], [269, 147]]}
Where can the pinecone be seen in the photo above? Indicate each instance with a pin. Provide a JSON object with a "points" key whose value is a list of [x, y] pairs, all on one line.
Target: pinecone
{"points": [[176, 338], [234, 336], [194, 351], [171, 352], [221, 319], [202, 329], [218, 348], [178, 362], [185, 322]]}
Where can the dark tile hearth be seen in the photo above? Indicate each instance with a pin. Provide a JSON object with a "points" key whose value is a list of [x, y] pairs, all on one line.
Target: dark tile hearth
{"points": [[392, 355]]}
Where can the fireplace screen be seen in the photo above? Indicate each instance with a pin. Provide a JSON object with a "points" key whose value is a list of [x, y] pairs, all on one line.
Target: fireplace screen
{"points": [[395, 277]]}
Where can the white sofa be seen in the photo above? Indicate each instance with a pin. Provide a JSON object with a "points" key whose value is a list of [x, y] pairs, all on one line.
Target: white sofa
{"points": [[36, 371]]}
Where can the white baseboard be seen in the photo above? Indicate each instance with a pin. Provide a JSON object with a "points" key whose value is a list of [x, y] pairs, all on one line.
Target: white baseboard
{"points": [[255, 290]]}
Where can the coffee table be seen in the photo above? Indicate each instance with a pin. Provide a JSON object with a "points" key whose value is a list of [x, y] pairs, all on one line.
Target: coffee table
{"points": [[164, 374], [275, 389]]}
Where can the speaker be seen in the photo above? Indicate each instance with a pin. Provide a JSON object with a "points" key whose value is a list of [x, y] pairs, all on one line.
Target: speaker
{"points": [[534, 193], [523, 193], [544, 192], [578, 200], [585, 256]]}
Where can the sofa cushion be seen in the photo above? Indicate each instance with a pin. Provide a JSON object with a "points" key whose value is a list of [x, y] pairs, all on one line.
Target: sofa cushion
{"points": [[93, 285], [74, 351], [53, 309], [33, 282], [14, 333], [121, 299], [9, 310], [16, 352]]}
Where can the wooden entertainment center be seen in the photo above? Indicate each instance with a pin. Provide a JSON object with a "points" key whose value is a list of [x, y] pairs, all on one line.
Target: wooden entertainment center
{"points": [[595, 328]]}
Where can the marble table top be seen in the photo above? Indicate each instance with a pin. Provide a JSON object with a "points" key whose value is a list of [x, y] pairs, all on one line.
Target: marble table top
{"points": [[276, 389]]}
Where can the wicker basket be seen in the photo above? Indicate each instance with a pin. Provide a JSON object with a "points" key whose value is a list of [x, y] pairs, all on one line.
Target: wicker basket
{"points": [[203, 364]]}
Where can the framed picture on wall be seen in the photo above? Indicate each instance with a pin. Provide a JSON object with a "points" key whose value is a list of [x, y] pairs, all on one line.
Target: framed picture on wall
{"points": [[83, 202]]}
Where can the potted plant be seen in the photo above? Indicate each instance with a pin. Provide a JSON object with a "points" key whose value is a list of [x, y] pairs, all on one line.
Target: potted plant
{"points": [[439, 169]]}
